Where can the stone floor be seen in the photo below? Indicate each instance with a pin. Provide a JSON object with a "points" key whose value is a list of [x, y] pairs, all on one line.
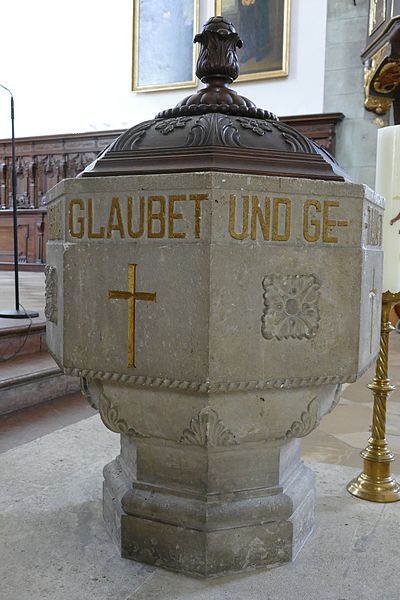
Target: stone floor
{"points": [[55, 545], [31, 292]]}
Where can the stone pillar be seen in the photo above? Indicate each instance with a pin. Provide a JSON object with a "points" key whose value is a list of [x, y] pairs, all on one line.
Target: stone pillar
{"points": [[205, 494]]}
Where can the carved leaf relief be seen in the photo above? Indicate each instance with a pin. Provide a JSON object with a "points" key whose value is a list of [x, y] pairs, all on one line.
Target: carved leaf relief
{"points": [[309, 419], [168, 125], [50, 309], [291, 307], [90, 389], [213, 129], [207, 429], [256, 125], [112, 420], [294, 139], [132, 137]]}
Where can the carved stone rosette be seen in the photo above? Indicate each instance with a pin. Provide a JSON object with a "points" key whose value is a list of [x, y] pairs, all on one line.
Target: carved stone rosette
{"points": [[290, 307]]}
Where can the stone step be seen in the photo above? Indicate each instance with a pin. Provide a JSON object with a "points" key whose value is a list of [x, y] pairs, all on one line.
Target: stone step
{"points": [[9, 266], [31, 379], [22, 339]]}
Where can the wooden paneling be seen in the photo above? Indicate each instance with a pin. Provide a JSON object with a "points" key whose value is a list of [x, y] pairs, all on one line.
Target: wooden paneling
{"points": [[32, 236]]}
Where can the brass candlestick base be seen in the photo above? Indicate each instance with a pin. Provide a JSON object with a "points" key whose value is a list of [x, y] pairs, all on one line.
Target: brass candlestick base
{"points": [[376, 483]]}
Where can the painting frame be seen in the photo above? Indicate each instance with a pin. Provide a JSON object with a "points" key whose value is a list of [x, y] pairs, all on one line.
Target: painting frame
{"points": [[374, 21], [283, 69], [171, 85]]}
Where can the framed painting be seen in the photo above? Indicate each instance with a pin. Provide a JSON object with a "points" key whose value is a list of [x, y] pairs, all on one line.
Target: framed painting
{"points": [[377, 14], [164, 56], [264, 27]]}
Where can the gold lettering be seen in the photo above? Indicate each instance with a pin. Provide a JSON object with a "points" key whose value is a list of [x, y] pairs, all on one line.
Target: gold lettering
{"points": [[80, 220], [232, 218], [327, 222], [198, 198], [115, 211], [140, 231], [276, 236], [155, 216], [263, 219], [313, 235], [173, 216], [93, 235]]}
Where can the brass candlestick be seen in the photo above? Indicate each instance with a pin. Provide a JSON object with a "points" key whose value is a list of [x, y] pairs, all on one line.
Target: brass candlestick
{"points": [[376, 483]]}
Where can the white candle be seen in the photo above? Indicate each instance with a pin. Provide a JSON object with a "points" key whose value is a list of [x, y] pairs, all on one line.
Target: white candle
{"points": [[388, 185]]}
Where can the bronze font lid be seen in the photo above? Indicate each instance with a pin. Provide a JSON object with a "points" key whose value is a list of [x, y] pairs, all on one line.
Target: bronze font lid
{"points": [[216, 129]]}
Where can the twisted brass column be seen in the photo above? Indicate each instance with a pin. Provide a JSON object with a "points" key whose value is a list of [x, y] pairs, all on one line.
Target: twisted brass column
{"points": [[376, 483]]}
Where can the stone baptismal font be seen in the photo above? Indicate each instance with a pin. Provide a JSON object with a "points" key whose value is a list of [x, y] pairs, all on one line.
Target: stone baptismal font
{"points": [[213, 278]]}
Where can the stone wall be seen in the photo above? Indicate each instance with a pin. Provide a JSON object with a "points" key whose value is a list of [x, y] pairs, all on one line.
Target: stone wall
{"points": [[344, 90]]}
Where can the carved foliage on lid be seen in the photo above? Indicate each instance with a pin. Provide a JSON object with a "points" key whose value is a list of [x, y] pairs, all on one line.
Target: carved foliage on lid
{"points": [[214, 129], [217, 66], [295, 140], [215, 117], [218, 56], [168, 125], [257, 126], [131, 138]]}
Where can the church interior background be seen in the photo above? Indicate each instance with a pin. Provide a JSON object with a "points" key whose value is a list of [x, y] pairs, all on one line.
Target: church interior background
{"points": [[69, 67]]}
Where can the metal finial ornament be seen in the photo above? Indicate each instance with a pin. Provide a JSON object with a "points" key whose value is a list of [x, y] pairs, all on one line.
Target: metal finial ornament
{"points": [[216, 128], [376, 483], [217, 66], [218, 57]]}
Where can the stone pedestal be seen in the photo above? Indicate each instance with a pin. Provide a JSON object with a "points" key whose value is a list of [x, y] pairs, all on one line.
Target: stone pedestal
{"points": [[212, 317], [213, 486]]}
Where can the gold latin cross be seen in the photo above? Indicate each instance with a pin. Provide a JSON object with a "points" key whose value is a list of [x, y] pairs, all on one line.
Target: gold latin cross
{"points": [[372, 295], [131, 295]]}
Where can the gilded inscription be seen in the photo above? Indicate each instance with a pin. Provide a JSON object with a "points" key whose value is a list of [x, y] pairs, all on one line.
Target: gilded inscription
{"points": [[174, 216], [76, 222], [155, 217], [115, 222], [318, 221], [93, 235], [272, 217], [180, 216]]}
